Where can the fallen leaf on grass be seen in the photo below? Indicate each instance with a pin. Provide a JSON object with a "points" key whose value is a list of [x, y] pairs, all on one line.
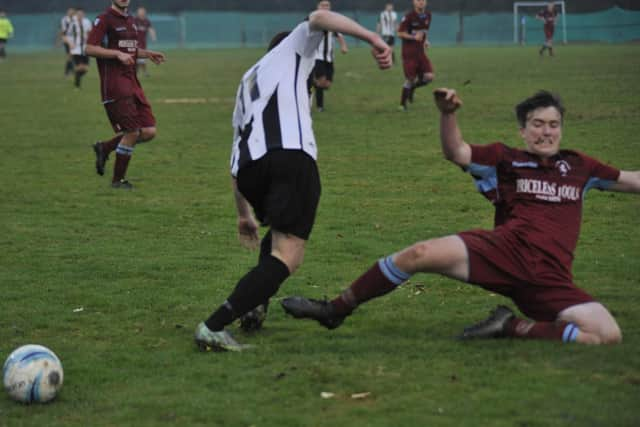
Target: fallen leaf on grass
{"points": [[327, 395], [361, 395]]}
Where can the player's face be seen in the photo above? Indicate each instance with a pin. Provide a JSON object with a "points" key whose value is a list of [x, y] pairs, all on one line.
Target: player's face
{"points": [[142, 13], [324, 5], [419, 5], [543, 131], [121, 4]]}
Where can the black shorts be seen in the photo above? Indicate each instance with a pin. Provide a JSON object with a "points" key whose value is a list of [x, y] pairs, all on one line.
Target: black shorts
{"points": [[80, 60], [390, 40], [3, 40], [323, 69], [283, 187]]}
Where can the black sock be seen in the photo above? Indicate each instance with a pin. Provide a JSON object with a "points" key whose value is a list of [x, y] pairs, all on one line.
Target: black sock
{"points": [[257, 286], [78, 78], [68, 68], [265, 246], [319, 97]]}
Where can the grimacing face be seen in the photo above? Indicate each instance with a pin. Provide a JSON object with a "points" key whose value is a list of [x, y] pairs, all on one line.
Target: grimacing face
{"points": [[543, 131]]}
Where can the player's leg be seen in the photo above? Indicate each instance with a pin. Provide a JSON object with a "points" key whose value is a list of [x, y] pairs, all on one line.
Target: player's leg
{"points": [[594, 323], [3, 52], [289, 202], [409, 67], [81, 67], [124, 152], [445, 255]]}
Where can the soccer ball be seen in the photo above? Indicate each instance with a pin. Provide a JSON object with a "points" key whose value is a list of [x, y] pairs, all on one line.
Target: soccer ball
{"points": [[32, 373]]}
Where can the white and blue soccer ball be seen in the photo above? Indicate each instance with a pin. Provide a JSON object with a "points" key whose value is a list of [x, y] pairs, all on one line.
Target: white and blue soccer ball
{"points": [[32, 374]]}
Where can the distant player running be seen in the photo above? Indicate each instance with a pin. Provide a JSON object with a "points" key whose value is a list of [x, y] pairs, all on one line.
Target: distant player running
{"points": [[114, 41], [548, 16], [145, 29], [538, 194], [413, 31]]}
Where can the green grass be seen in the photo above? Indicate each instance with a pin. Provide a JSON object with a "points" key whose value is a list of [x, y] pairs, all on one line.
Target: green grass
{"points": [[147, 265]]}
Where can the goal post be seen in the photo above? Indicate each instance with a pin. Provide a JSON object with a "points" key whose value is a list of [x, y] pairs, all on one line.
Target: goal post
{"points": [[520, 4]]}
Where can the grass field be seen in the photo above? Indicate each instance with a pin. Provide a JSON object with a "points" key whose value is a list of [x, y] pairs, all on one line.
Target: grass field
{"points": [[145, 266]]}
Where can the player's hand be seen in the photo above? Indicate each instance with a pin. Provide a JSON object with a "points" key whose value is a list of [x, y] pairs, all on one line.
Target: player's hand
{"points": [[125, 58], [344, 49], [381, 53], [447, 100], [156, 57], [420, 36], [248, 232], [427, 44]]}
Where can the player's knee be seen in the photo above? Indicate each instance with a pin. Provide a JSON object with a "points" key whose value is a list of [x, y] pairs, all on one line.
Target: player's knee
{"points": [[429, 77], [147, 134], [417, 255], [292, 258]]}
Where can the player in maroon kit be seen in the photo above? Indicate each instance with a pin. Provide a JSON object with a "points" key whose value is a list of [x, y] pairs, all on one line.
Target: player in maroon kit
{"points": [[548, 16], [144, 27], [114, 42], [538, 194], [413, 31]]}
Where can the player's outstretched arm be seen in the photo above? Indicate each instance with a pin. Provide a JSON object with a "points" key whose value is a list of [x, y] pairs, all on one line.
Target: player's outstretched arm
{"points": [[453, 146], [628, 182], [343, 43], [331, 21]]}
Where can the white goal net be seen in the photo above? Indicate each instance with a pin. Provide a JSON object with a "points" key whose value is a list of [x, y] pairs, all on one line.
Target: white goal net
{"points": [[522, 10]]}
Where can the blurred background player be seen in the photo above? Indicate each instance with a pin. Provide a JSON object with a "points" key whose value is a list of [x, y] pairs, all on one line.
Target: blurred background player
{"points": [[65, 36], [413, 31], [114, 42], [387, 26], [273, 166], [548, 16], [145, 29], [538, 193], [6, 32], [77, 42], [322, 76]]}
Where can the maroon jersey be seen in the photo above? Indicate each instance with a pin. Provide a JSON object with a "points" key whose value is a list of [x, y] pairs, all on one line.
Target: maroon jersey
{"points": [[412, 23], [549, 18], [112, 30], [539, 201], [142, 25]]}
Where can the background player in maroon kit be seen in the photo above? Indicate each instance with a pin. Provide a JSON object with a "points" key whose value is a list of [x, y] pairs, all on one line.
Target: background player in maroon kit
{"points": [[548, 16], [537, 193], [413, 31], [144, 27], [114, 41]]}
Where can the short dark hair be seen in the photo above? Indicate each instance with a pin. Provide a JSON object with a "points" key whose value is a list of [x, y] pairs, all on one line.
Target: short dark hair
{"points": [[541, 99], [275, 41]]}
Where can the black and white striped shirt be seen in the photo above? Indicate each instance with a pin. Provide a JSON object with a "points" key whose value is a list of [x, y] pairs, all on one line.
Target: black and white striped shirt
{"points": [[325, 49], [65, 26], [388, 22], [80, 30], [272, 104]]}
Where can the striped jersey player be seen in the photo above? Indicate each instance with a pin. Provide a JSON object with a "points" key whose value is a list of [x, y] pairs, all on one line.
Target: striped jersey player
{"points": [[273, 168]]}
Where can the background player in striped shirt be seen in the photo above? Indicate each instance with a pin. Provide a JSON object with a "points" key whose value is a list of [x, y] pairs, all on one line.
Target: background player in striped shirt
{"points": [[413, 31], [387, 26], [548, 16], [322, 76], [65, 33], [538, 194], [273, 165], [77, 42], [114, 41], [145, 30]]}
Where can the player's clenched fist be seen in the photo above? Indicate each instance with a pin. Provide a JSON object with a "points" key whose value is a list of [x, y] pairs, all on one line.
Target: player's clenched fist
{"points": [[447, 100]]}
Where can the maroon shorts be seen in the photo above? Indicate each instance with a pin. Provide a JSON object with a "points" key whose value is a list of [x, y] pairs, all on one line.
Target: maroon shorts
{"points": [[130, 113], [497, 265], [416, 65], [548, 31]]}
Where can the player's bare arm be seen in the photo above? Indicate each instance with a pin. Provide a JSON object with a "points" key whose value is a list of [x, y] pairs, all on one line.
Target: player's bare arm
{"points": [[101, 52], [155, 57], [628, 182], [418, 36], [343, 43], [454, 148], [247, 225], [330, 21]]}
